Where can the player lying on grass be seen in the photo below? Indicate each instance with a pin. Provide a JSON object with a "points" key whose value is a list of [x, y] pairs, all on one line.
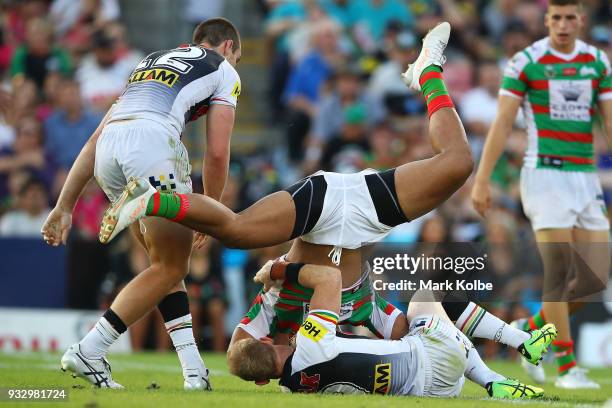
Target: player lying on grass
{"points": [[280, 309], [429, 361]]}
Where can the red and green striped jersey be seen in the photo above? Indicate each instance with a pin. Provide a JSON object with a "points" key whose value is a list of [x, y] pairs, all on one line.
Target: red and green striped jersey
{"points": [[559, 92]]}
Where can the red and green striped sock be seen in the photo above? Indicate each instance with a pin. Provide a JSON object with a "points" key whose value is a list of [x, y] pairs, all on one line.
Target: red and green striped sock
{"points": [[172, 206], [537, 321], [564, 355], [434, 90]]}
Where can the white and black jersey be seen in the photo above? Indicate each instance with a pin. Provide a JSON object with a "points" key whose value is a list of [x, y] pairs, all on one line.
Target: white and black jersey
{"points": [[326, 363], [173, 87]]}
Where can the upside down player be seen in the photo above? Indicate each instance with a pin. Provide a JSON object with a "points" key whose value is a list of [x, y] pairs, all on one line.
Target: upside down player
{"points": [[335, 211], [429, 361], [141, 136]]}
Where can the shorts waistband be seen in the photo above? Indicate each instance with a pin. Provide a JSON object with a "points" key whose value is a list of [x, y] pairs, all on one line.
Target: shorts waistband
{"points": [[141, 123]]}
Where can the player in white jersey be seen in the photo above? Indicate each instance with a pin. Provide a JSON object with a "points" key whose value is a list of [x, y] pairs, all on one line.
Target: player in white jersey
{"points": [[429, 361], [561, 82], [140, 136]]}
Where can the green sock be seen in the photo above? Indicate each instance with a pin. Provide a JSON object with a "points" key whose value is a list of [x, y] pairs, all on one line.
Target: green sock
{"points": [[165, 205], [434, 90], [564, 356]]}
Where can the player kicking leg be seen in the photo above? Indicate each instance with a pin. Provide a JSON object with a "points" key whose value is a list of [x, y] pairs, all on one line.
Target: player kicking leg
{"points": [[272, 220]]}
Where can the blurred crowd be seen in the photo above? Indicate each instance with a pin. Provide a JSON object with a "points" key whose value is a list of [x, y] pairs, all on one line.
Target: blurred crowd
{"points": [[334, 93]]}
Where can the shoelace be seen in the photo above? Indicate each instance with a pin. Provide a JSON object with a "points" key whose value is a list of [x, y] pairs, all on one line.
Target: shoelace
{"points": [[437, 50]]}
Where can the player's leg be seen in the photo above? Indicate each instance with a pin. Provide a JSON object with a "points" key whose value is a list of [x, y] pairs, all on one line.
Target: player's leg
{"points": [[174, 308], [423, 185], [476, 322]]}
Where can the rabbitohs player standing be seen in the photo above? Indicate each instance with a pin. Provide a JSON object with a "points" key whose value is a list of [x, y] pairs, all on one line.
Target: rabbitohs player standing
{"points": [[559, 81]]}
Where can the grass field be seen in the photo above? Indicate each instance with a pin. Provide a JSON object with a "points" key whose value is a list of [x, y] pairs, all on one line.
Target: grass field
{"points": [[137, 371]]}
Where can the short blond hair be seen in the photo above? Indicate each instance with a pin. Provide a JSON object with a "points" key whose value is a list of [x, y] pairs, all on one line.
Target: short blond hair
{"points": [[252, 360]]}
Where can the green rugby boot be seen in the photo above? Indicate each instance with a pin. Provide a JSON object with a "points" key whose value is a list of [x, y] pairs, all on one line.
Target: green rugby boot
{"points": [[533, 349], [513, 389]]}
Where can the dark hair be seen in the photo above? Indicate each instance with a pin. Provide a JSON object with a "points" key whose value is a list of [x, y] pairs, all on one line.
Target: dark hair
{"points": [[216, 30], [565, 3], [32, 182]]}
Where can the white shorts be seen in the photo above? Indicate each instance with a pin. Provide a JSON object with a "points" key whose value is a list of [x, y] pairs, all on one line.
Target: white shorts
{"points": [[444, 355], [140, 148], [348, 218], [563, 199]]}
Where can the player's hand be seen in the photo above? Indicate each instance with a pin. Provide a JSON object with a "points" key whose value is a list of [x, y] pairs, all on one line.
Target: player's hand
{"points": [[481, 197], [263, 276], [57, 226], [200, 240]]}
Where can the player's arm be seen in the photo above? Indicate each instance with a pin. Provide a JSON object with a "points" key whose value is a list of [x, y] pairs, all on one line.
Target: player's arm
{"points": [[325, 281], [605, 107], [219, 126], [494, 145], [56, 227]]}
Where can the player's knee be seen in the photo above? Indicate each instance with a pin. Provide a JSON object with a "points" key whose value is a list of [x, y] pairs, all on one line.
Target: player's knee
{"points": [[174, 272], [463, 163]]}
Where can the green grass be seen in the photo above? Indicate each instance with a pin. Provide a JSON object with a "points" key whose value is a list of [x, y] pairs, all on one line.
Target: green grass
{"points": [[137, 371]]}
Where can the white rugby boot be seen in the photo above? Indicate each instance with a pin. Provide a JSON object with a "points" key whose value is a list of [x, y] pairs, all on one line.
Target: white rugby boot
{"points": [[432, 53], [576, 379], [95, 371], [196, 380], [129, 208]]}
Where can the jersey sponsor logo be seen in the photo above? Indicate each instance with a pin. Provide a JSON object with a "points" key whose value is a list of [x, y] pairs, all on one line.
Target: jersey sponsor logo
{"points": [[587, 71], [236, 90], [382, 378], [311, 382], [571, 99], [341, 387], [569, 71], [162, 76], [313, 330]]}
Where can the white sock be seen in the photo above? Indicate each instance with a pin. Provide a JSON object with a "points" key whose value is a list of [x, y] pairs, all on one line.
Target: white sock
{"points": [[181, 333], [95, 344], [477, 322], [478, 371]]}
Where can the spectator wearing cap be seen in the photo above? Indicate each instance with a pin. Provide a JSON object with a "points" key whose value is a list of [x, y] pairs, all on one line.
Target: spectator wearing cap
{"points": [[69, 126], [31, 212], [347, 90], [305, 82], [386, 83], [346, 152], [102, 75], [38, 56]]}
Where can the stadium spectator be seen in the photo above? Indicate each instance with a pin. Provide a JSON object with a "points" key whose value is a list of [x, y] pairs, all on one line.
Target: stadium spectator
{"points": [[31, 212], [346, 151], [74, 23], [102, 75], [347, 89], [38, 56], [371, 17], [26, 153], [386, 84], [478, 106], [282, 18], [69, 126], [305, 83]]}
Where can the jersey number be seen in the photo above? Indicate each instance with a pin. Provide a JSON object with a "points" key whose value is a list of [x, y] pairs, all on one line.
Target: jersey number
{"points": [[175, 59]]}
